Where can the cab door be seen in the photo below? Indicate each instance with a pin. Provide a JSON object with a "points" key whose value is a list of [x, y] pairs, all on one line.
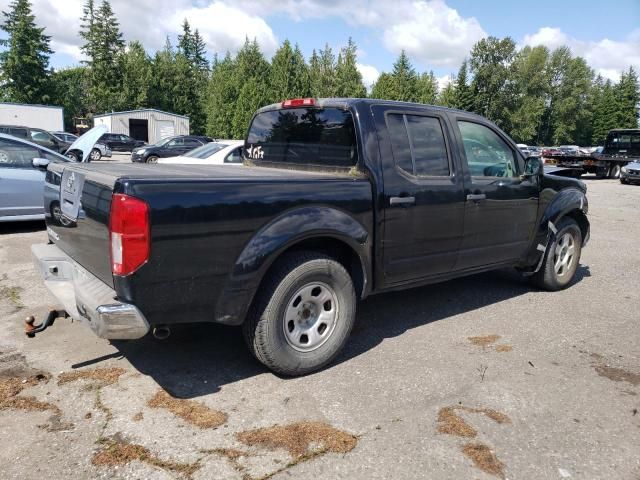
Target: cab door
{"points": [[423, 194], [500, 206], [21, 184]]}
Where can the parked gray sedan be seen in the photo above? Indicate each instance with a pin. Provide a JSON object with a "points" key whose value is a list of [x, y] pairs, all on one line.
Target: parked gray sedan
{"points": [[23, 168]]}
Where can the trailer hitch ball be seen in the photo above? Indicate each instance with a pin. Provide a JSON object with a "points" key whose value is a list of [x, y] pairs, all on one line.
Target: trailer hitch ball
{"points": [[30, 328]]}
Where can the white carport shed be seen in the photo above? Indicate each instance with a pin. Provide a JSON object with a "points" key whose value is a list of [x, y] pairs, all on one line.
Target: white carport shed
{"points": [[148, 125]]}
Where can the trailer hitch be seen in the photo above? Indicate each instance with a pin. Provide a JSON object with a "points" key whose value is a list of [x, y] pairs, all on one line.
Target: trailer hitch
{"points": [[30, 329]]}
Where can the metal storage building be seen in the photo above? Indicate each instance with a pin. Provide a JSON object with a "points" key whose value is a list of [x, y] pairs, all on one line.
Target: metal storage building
{"points": [[148, 125], [47, 117]]}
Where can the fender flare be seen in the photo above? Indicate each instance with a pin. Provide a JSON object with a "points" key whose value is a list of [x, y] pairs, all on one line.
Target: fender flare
{"points": [[564, 202], [285, 231]]}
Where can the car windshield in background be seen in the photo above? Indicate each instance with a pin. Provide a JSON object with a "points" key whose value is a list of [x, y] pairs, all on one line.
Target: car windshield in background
{"points": [[205, 151], [303, 136]]}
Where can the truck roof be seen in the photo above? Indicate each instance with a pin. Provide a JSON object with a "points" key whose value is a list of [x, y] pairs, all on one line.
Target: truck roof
{"points": [[350, 102]]}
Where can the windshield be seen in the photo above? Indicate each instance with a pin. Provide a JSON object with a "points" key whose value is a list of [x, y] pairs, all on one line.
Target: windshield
{"points": [[205, 151], [303, 136]]}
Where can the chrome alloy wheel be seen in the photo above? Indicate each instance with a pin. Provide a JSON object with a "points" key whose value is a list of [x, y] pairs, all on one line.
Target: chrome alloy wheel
{"points": [[310, 318], [95, 154], [564, 255]]}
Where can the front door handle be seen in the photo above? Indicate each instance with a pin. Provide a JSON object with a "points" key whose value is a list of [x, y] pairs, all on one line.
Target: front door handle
{"points": [[476, 197], [402, 200]]}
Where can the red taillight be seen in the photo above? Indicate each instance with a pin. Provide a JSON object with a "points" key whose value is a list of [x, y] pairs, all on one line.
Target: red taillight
{"points": [[299, 102], [129, 234]]}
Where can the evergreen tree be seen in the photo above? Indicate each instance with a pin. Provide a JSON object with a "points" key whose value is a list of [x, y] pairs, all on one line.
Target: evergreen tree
{"points": [[185, 93], [163, 78], [322, 73], [427, 90], [251, 74], [24, 65], [103, 46], [200, 52], [289, 75], [447, 96], [222, 95], [136, 72], [606, 111], [348, 78], [186, 41], [463, 96], [384, 87], [628, 99], [405, 80]]}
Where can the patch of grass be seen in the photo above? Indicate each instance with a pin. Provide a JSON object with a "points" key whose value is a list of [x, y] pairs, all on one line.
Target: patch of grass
{"points": [[503, 348], [115, 453], [12, 386], [484, 458], [484, 340], [13, 295], [104, 376], [300, 439], [450, 423], [192, 412]]}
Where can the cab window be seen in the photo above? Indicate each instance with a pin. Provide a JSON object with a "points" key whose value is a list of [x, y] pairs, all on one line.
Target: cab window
{"points": [[486, 153]]}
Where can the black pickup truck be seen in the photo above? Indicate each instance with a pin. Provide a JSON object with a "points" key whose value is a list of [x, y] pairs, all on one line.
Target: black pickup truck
{"points": [[338, 199]]}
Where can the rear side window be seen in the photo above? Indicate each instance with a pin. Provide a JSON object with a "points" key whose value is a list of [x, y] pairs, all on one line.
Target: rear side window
{"points": [[303, 136], [16, 155], [418, 145]]}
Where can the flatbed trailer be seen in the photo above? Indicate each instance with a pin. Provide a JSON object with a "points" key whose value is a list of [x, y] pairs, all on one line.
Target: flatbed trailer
{"points": [[621, 147]]}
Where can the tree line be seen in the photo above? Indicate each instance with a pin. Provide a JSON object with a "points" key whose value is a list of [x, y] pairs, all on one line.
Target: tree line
{"points": [[536, 95]]}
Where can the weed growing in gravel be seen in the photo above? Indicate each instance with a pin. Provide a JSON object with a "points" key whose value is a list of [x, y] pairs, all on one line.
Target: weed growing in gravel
{"points": [[104, 376], [484, 458]]}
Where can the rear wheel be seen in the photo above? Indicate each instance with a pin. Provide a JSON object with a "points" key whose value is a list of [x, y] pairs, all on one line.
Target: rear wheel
{"points": [[303, 314], [614, 170], [561, 258], [152, 159]]}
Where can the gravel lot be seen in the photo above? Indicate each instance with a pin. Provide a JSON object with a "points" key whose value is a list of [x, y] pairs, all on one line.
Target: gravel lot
{"points": [[482, 377]]}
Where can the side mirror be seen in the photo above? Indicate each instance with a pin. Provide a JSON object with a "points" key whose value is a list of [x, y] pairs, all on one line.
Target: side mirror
{"points": [[40, 163], [533, 167]]}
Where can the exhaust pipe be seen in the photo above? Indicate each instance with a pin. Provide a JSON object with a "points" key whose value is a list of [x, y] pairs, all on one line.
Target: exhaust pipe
{"points": [[161, 332]]}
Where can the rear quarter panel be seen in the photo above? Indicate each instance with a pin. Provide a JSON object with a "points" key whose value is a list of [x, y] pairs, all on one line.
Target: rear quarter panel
{"points": [[199, 230]]}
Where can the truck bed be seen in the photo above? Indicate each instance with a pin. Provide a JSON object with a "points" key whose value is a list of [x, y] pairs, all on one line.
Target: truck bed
{"points": [[208, 213]]}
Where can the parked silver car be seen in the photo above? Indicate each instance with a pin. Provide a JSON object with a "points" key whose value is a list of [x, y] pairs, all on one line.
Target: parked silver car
{"points": [[23, 168], [99, 149]]}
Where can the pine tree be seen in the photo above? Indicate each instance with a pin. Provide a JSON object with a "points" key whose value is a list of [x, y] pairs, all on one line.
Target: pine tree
{"points": [[463, 96], [628, 99], [405, 80], [322, 73], [136, 72], [447, 96], [200, 52], [163, 78], [186, 41], [222, 96], [427, 91], [289, 75], [383, 87], [24, 65], [103, 46], [605, 116], [348, 78]]}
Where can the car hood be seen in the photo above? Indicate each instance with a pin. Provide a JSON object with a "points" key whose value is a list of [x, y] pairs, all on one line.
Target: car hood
{"points": [[633, 165], [86, 142]]}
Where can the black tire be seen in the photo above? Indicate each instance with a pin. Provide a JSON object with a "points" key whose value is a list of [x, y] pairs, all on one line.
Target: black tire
{"points": [[264, 328], [623, 181], [95, 154], [152, 159], [73, 156], [614, 170], [548, 277]]}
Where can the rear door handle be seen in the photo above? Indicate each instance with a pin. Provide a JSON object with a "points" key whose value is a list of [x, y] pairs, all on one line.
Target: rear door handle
{"points": [[476, 197], [402, 200]]}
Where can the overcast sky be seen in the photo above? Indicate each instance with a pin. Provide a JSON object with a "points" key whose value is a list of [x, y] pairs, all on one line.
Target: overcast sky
{"points": [[436, 34]]}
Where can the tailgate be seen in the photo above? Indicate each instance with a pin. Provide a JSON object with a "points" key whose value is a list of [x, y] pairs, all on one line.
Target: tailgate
{"points": [[82, 229]]}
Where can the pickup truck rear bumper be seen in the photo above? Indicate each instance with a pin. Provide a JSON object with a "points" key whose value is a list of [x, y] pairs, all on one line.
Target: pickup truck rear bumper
{"points": [[86, 298]]}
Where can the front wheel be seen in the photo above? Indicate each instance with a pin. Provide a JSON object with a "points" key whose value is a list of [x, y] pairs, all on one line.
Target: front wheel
{"points": [[95, 154], [561, 258], [303, 314], [152, 159]]}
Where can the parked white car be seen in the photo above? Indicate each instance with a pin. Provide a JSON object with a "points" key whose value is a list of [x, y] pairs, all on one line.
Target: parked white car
{"points": [[220, 152]]}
